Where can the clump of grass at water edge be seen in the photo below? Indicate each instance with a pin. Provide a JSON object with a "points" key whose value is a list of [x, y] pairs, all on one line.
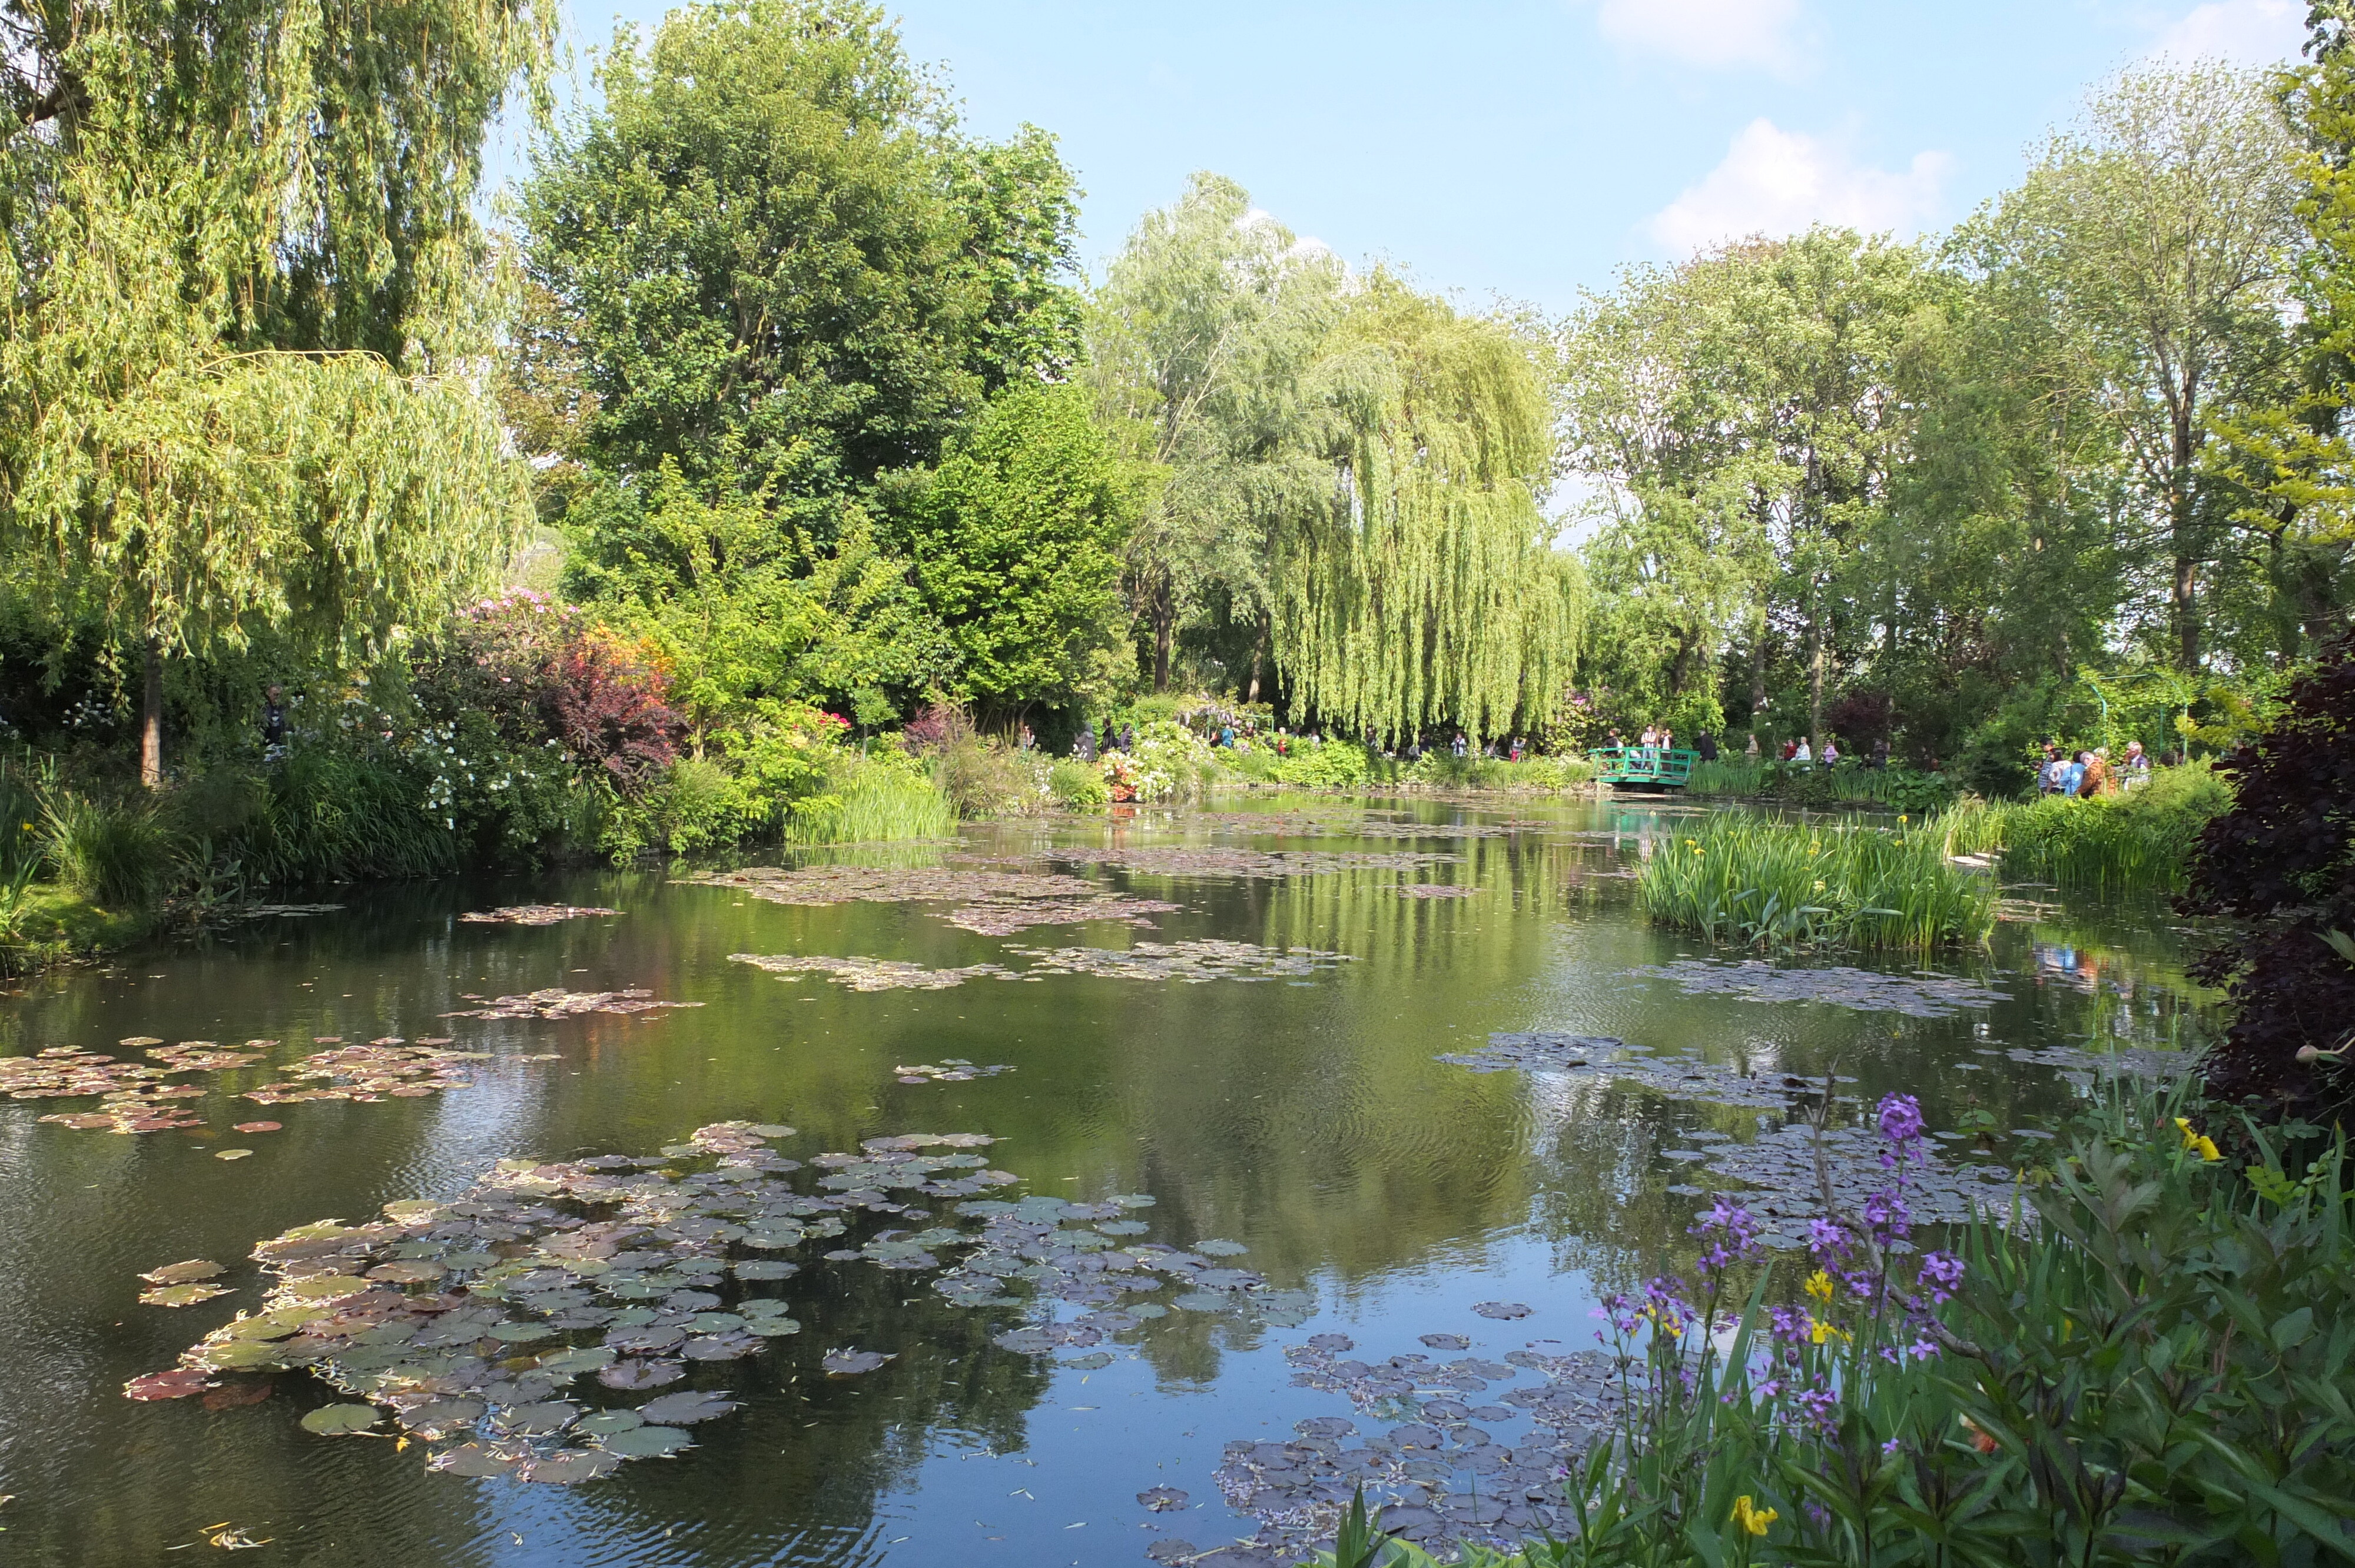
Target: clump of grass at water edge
{"points": [[1780, 886], [872, 800], [2140, 839]]}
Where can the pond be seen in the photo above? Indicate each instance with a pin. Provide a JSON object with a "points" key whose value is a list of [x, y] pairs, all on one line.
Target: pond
{"points": [[1191, 1187]]}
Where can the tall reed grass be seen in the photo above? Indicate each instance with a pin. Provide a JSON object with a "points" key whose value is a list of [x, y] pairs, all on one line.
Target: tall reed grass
{"points": [[2139, 839], [110, 849], [1777, 887], [868, 801]]}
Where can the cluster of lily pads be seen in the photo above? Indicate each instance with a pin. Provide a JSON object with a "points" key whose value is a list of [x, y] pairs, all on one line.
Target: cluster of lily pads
{"points": [[385, 1068], [1258, 863], [871, 974], [1784, 1174], [554, 1001], [949, 1070], [988, 903], [2084, 1068], [1918, 995], [1194, 962], [474, 1323], [1603, 1059], [532, 914], [132, 1096], [1431, 1459], [1435, 890]]}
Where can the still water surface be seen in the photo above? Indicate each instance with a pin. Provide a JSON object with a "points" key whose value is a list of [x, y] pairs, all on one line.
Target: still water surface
{"points": [[1305, 1118]]}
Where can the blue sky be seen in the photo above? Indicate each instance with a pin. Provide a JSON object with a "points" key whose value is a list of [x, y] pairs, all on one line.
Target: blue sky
{"points": [[1529, 148]]}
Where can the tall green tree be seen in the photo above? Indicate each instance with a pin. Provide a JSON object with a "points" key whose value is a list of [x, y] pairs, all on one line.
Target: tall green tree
{"points": [[1204, 344], [1016, 541], [2158, 237], [778, 263], [770, 278], [1747, 411], [250, 311]]}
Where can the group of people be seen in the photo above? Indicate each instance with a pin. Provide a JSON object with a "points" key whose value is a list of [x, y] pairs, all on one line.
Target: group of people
{"points": [[1086, 747], [2086, 774]]}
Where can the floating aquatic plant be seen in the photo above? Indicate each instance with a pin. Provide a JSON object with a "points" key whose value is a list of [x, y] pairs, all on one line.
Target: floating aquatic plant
{"points": [[949, 1070], [556, 1002], [1917, 995], [532, 914], [990, 903], [1601, 1057], [871, 974], [1193, 961]]}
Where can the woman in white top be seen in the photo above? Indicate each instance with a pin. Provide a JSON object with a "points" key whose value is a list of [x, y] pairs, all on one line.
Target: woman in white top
{"points": [[1803, 757]]}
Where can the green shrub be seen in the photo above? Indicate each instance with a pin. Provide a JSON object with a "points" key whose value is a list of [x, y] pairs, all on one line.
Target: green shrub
{"points": [[1782, 885], [1335, 765], [981, 777], [1074, 783], [1258, 765], [108, 849]]}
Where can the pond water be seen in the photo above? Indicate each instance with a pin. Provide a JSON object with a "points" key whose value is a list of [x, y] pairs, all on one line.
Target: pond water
{"points": [[1374, 1194]]}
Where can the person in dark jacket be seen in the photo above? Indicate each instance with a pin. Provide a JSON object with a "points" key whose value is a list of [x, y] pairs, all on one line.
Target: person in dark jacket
{"points": [[1705, 745]]}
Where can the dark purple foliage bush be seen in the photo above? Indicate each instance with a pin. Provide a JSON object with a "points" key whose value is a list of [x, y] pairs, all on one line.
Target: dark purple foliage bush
{"points": [[2279, 867]]}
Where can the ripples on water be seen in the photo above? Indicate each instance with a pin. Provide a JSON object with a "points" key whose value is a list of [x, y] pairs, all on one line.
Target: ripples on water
{"points": [[1302, 1116]]}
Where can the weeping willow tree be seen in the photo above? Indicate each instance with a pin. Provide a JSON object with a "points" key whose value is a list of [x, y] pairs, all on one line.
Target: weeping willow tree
{"points": [[1427, 591], [251, 312]]}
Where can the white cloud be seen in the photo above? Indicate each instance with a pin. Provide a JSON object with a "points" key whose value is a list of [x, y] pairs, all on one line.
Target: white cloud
{"points": [[1714, 34], [1778, 181], [2246, 32]]}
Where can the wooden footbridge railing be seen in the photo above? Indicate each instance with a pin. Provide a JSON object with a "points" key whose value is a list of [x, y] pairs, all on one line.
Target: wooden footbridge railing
{"points": [[1643, 767]]}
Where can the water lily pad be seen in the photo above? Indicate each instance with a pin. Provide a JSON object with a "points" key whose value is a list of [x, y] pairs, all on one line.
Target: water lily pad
{"points": [[567, 1466], [179, 1382], [324, 1286], [849, 1362], [539, 1420], [480, 1460], [1442, 1342], [605, 1422], [770, 1326], [1220, 1248], [194, 1269], [636, 1373], [519, 1333], [1162, 1499], [647, 1443], [1502, 1312], [341, 1420], [258, 1126], [569, 1365], [1090, 1361], [685, 1409], [180, 1295], [237, 1395], [232, 1153], [764, 1269]]}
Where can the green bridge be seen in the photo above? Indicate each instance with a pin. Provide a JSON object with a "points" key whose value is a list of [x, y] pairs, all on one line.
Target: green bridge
{"points": [[1643, 767]]}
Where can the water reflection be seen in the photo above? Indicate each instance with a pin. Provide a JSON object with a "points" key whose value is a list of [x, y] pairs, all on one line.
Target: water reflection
{"points": [[1307, 1120]]}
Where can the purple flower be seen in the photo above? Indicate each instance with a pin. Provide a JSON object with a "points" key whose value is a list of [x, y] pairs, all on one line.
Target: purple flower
{"points": [[1901, 1119], [1827, 1240], [1942, 1272], [1821, 1408], [1733, 1237]]}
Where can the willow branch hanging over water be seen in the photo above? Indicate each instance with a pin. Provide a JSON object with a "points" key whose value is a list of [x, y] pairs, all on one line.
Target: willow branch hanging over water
{"points": [[1428, 592]]}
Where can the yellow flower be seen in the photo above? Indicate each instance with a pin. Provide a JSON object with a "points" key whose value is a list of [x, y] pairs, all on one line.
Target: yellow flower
{"points": [[1819, 1285], [2198, 1143], [1752, 1517], [1823, 1332], [1901, 818], [1819, 884]]}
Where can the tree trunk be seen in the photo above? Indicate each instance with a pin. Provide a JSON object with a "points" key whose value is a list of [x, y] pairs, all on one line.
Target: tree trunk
{"points": [[1259, 652], [1162, 629], [1816, 671], [1758, 674], [2183, 591], [151, 718]]}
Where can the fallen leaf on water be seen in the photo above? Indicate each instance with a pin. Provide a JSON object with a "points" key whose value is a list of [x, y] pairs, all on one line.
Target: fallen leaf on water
{"points": [[237, 1540], [231, 1153], [257, 1127]]}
